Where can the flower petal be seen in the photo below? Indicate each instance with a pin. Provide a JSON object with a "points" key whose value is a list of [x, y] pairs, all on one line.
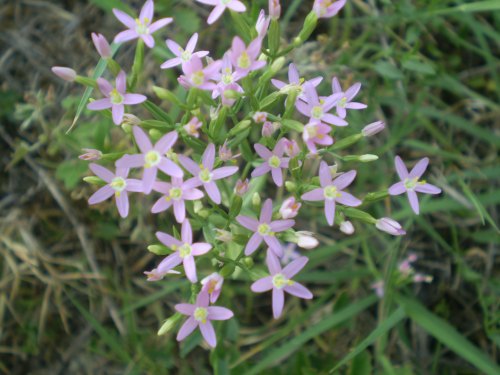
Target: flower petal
{"points": [[261, 170], [253, 243], [427, 189], [142, 140], [400, 168], [166, 142], [161, 205], [213, 191], [262, 151], [266, 212], [185, 308], [294, 267], [124, 18], [330, 211], [187, 328], [412, 197], [262, 285], [298, 290], [201, 248], [277, 174], [118, 111], [179, 211], [190, 268], [273, 263], [348, 199], [157, 25], [101, 195], [314, 195], [147, 11], [167, 239], [148, 179], [122, 204], [397, 188], [248, 222], [215, 14], [281, 225], [344, 180], [223, 172], [219, 313], [99, 105], [101, 172], [167, 166], [419, 168], [208, 157], [208, 333], [325, 176], [274, 244], [132, 99], [125, 36], [278, 302]]}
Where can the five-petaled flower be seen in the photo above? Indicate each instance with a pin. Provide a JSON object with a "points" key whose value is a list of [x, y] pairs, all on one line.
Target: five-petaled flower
{"points": [[280, 281], [195, 75], [221, 6], [184, 252], [182, 56], [316, 109], [265, 229], [244, 59], [411, 183], [152, 158], [273, 161], [116, 98], [332, 191], [295, 82], [116, 184], [140, 27], [345, 101], [200, 315]]}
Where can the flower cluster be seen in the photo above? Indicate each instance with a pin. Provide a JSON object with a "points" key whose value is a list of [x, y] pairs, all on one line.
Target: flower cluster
{"points": [[283, 132]]}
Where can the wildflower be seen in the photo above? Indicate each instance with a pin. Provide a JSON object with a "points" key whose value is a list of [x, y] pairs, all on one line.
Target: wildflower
{"points": [[212, 285], [390, 226], [316, 109], [378, 286], [184, 252], [101, 45], [290, 208], [152, 158], [291, 147], [227, 80], [373, 128], [90, 154], [140, 27], [327, 8], [268, 129], [295, 82], [174, 194], [316, 133], [131, 120], [274, 9], [332, 191], [195, 75], [345, 97], [410, 182], [201, 315], [244, 59], [280, 281], [306, 239], [347, 227], [264, 229], [116, 98], [241, 187], [205, 174], [182, 56], [192, 127], [220, 7], [117, 184], [260, 117], [273, 161], [262, 24], [228, 93], [64, 73], [225, 153]]}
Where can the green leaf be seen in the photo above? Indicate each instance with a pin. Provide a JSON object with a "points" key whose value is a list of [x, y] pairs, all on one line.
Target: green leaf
{"points": [[388, 70], [448, 335], [418, 66], [70, 172]]}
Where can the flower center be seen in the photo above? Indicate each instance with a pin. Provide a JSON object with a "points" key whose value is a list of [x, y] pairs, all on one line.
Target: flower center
{"points": [[274, 161], [152, 159], [244, 60], [212, 284], [175, 193], [116, 97], [317, 112], [185, 250], [142, 26], [410, 183], [227, 78], [201, 314], [264, 230], [280, 281], [205, 175], [186, 56], [342, 102], [118, 184], [198, 78], [330, 192]]}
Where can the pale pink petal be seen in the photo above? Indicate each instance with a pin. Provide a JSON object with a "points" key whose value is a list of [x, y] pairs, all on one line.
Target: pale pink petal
{"points": [[142, 140], [274, 244], [208, 333], [330, 211], [125, 36], [203, 299], [121, 82], [179, 211], [130, 161], [155, 26], [216, 13], [208, 157], [419, 169], [263, 151], [191, 44], [400, 168], [187, 232], [101, 172], [253, 243], [325, 176], [148, 40], [298, 290], [348, 199], [223, 172], [99, 105], [294, 267], [303, 108], [397, 188], [122, 204], [352, 91], [311, 95], [355, 105], [219, 313], [213, 191], [192, 183], [148, 179], [201, 248], [147, 11], [104, 86], [134, 185], [192, 194], [333, 120], [189, 164], [174, 48], [248, 222], [171, 63], [169, 262], [262, 285], [261, 170], [344, 180], [166, 142], [237, 6], [131, 99], [101, 195], [278, 84], [314, 195], [336, 85], [190, 268], [187, 328], [341, 112], [281, 225], [185, 308], [277, 176], [168, 167], [266, 212], [167, 239], [293, 74], [412, 197], [273, 264], [125, 18], [427, 189], [118, 111], [161, 205], [278, 302]]}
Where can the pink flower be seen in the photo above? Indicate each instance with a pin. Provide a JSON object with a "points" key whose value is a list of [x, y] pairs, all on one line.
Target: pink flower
{"points": [[64, 73], [295, 82], [332, 191], [280, 281], [195, 75], [316, 109], [316, 133], [290, 208], [268, 129], [182, 56], [184, 252], [225, 153], [378, 286], [262, 24], [241, 187], [373, 128], [345, 101], [174, 194], [273, 162], [274, 9], [291, 147], [411, 184], [327, 8], [227, 81], [192, 127], [117, 184], [260, 117], [152, 158], [140, 27], [264, 229], [201, 315], [205, 174], [212, 285], [390, 226], [101, 45], [90, 154], [116, 98], [221, 6], [244, 59]]}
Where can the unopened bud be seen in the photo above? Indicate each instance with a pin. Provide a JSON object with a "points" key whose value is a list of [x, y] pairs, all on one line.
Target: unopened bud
{"points": [[101, 45], [373, 128], [90, 154], [390, 226], [290, 208], [241, 187], [347, 227], [62, 72], [306, 240], [274, 9], [367, 158], [169, 324]]}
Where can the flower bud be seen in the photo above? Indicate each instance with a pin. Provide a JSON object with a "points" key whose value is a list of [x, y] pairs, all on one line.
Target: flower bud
{"points": [[192, 127], [131, 120], [227, 270], [274, 9], [267, 129], [306, 240], [327, 8], [248, 261], [90, 154], [94, 180], [241, 187], [260, 117], [390, 226], [290, 208], [347, 227], [379, 288], [420, 278], [212, 284], [62, 72], [373, 128], [223, 235], [101, 45], [291, 148], [158, 249], [256, 201], [169, 324], [262, 24], [367, 158], [290, 186]]}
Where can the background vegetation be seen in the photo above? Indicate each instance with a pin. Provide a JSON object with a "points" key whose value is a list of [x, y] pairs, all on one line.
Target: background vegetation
{"points": [[73, 298]]}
